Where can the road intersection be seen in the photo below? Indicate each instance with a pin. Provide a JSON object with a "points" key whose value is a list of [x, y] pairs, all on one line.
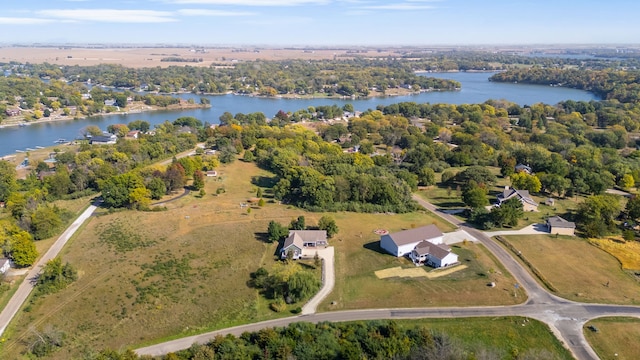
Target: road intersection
{"points": [[565, 318]]}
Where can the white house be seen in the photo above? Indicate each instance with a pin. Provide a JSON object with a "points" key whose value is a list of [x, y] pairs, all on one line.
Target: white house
{"points": [[303, 243], [426, 253], [103, 139], [403, 242], [5, 264]]}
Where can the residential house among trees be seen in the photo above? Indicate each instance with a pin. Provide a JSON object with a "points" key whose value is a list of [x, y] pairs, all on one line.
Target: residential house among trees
{"points": [[13, 112], [528, 204], [560, 226], [303, 243], [103, 140], [523, 168]]}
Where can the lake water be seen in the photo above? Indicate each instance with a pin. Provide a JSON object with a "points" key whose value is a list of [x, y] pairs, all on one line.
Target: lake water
{"points": [[475, 89]]}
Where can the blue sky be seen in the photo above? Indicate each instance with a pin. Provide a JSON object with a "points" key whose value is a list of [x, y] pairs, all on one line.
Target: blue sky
{"points": [[321, 22]]}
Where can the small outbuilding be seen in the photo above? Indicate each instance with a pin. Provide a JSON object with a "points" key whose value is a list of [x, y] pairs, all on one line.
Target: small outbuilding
{"points": [[560, 226]]}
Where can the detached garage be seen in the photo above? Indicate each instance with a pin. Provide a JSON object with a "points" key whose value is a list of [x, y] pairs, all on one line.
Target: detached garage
{"points": [[403, 242]]}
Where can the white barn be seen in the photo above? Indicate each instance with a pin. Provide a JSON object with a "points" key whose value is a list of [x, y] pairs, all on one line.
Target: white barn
{"points": [[403, 242]]}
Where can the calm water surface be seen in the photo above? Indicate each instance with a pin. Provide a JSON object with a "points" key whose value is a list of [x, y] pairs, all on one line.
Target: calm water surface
{"points": [[475, 89]]}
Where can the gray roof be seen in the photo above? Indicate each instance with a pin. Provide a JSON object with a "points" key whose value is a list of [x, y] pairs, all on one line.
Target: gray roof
{"points": [[414, 235], [422, 248], [523, 195], [439, 251], [523, 167], [299, 237], [425, 247], [558, 222]]}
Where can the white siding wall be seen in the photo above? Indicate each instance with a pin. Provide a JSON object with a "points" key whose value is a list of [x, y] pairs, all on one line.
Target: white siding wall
{"points": [[405, 249], [387, 244], [439, 240], [449, 259]]}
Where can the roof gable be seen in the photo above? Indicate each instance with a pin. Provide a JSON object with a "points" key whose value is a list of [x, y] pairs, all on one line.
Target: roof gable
{"points": [[558, 222], [415, 235]]}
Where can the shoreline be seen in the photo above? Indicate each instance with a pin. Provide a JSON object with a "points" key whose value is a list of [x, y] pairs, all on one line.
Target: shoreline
{"points": [[21, 122]]}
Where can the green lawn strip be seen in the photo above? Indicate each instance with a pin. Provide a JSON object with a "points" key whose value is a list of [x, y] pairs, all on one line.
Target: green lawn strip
{"points": [[511, 336], [614, 337], [578, 270]]}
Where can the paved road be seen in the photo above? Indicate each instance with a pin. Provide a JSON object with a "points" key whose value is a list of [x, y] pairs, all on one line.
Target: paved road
{"points": [[328, 280], [24, 289], [565, 318]]}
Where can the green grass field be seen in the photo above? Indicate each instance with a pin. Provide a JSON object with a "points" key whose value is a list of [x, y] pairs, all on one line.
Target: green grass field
{"points": [[616, 338], [579, 271], [508, 337]]}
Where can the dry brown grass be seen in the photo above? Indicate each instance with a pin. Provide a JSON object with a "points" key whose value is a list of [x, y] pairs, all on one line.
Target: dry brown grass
{"points": [[127, 298], [617, 338], [627, 252], [150, 57], [578, 270], [107, 305]]}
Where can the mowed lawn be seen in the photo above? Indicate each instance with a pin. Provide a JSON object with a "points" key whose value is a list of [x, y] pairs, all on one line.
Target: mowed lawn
{"points": [[358, 256], [580, 271], [616, 338]]}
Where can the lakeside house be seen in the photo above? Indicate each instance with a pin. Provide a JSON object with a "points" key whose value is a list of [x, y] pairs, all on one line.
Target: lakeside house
{"points": [[133, 134], [528, 204], [13, 112], [103, 139], [303, 243]]}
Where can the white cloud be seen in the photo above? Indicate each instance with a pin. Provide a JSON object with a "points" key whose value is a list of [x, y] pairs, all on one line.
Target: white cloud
{"points": [[406, 5], [253, 2], [206, 12], [109, 15], [399, 6], [22, 21]]}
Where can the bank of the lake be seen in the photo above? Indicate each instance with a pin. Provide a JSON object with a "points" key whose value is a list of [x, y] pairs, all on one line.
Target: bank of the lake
{"points": [[476, 88], [133, 109]]}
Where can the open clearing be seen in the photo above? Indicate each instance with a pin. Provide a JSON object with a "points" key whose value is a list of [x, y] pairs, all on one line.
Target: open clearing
{"points": [[616, 338], [579, 271], [508, 336], [162, 275], [151, 57]]}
